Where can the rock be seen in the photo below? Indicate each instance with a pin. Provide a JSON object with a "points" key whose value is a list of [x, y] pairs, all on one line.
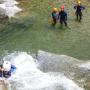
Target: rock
{"points": [[85, 65], [53, 62], [71, 67], [87, 85]]}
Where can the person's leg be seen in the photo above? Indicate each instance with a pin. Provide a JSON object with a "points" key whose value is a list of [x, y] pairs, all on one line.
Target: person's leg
{"points": [[76, 15], [65, 22], [61, 22], [80, 16], [54, 22]]}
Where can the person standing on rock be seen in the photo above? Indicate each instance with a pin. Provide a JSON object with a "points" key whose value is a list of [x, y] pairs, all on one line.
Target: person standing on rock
{"points": [[63, 16], [78, 12]]}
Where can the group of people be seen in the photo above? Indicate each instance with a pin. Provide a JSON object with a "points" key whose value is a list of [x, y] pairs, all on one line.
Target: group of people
{"points": [[62, 14]]}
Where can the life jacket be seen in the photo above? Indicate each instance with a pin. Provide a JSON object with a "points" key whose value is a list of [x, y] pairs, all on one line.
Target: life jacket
{"points": [[6, 74], [55, 16]]}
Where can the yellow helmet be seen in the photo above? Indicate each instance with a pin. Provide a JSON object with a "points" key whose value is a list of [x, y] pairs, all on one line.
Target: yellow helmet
{"points": [[79, 2], [55, 10]]}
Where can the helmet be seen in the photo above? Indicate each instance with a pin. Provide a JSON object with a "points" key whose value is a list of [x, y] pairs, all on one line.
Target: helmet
{"points": [[7, 65], [79, 2], [62, 7], [55, 10]]}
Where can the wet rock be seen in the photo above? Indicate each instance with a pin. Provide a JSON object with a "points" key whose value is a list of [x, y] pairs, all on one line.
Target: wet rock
{"points": [[70, 66], [53, 62], [87, 85], [85, 66]]}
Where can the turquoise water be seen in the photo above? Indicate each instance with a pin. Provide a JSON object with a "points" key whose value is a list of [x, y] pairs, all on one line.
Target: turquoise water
{"points": [[31, 31]]}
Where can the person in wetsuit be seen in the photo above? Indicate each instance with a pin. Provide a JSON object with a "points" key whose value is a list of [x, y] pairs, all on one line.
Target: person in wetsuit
{"points": [[63, 16], [78, 11]]}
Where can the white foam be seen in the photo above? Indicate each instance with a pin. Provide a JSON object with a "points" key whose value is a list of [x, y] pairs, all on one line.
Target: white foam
{"points": [[85, 65], [11, 1], [31, 78], [10, 8]]}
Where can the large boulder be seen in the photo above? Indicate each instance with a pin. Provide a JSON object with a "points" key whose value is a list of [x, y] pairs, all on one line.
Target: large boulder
{"points": [[77, 70], [53, 62]]}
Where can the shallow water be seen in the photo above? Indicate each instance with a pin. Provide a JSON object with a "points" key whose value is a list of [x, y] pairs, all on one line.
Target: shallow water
{"points": [[30, 30]]}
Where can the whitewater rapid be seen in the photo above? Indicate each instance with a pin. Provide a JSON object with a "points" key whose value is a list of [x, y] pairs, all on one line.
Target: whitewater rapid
{"points": [[9, 8], [29, 77]]}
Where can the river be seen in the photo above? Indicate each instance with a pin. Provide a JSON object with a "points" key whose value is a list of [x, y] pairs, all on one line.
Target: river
{"points": [[25, 33]]}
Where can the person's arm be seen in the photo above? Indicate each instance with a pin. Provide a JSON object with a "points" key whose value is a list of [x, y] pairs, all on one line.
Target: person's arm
{"points": [[75, 7], [82, 7], [13, 68], [65, 15], [59, 15], [52, 15], [2, 69]]}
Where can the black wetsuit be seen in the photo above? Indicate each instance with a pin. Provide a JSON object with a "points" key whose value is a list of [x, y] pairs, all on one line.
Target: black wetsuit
{"points": [[78, 12], [63, 17]]}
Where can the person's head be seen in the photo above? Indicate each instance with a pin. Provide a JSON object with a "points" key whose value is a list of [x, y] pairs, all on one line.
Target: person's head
{"points": [[54, 10], [79, 3], [62, 8], [7, 65]]}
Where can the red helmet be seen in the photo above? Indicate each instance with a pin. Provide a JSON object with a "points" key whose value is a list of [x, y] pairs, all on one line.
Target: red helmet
{"points": [[62, 7]]}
